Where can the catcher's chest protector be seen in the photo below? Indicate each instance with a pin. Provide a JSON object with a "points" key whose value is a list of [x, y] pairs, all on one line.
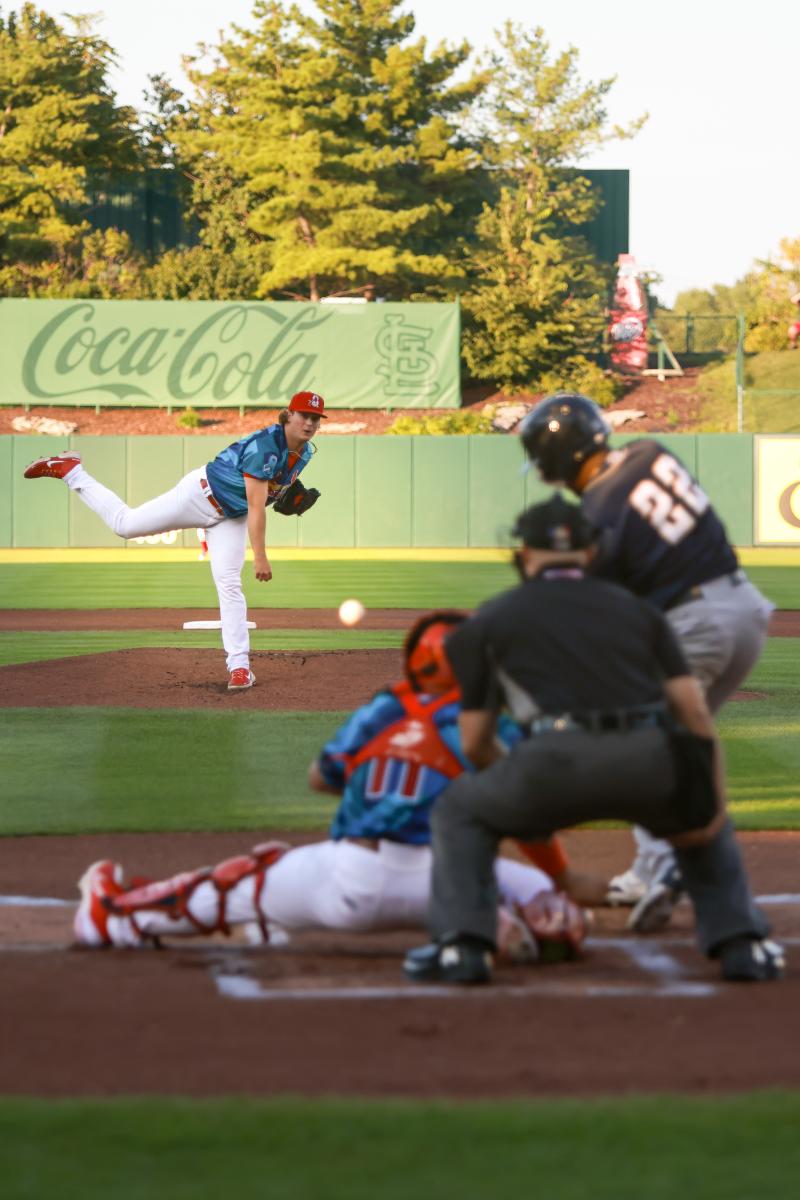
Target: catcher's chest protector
{"points": [[413, 738]]}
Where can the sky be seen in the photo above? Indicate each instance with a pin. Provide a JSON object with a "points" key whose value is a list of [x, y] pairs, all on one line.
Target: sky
{"points": [[714, 174]]}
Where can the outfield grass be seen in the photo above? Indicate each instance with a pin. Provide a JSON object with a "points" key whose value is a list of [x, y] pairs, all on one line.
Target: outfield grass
{"points": [[121, 769], [297, 584], [657, 1148], [21, 647], [762, 742], [137, 769]]}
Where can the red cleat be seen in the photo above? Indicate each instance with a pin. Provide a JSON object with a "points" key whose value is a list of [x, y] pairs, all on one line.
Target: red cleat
{"points": [[101, 880], [55, 467], [241, 678]]}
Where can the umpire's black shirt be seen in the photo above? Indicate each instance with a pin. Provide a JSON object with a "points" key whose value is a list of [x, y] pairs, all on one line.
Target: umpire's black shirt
{"points": [[561, 642]]}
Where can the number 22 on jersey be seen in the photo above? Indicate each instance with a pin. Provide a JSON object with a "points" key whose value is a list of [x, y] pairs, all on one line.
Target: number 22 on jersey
{"points": [[671, 502]]}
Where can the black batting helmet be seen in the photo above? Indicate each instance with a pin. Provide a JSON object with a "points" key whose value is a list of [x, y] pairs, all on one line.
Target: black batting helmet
{"points": [[561, 432]]}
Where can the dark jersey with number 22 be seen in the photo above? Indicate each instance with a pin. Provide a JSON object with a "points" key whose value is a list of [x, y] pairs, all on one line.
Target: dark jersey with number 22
{"points": [[660, 535]]}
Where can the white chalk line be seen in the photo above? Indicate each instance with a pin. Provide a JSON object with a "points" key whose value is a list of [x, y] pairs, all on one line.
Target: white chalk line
{"points": [[239, 987]]}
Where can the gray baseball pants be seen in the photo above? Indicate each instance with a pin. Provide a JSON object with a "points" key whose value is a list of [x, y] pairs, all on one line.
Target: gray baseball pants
{"points": [[722, 635], [554, 781]]}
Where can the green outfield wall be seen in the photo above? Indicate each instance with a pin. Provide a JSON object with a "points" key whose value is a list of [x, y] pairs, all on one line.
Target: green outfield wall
{"points": [[204, 354], [376, 491]]}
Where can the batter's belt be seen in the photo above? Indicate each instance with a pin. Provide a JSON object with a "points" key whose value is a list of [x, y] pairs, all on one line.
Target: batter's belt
{"points": [[697, 592]]}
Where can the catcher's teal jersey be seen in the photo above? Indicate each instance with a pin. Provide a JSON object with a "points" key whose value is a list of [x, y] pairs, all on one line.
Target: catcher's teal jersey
{"points": [[262, 455], [391, 765]]}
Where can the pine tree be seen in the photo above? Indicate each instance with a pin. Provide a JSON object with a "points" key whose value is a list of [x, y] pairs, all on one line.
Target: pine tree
{"points": [[59, 126], [536, 296], [339, 136]]}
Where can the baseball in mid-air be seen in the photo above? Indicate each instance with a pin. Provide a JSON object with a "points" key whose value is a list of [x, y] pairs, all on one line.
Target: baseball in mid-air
{"points": [[351, 612]]}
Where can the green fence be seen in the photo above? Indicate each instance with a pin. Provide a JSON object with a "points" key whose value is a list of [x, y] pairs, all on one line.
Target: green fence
{"points": [[376, 491], [156, 353]]}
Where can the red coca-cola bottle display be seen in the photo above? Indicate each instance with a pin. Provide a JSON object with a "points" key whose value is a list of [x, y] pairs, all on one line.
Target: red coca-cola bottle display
{"points": [[627, 326]]}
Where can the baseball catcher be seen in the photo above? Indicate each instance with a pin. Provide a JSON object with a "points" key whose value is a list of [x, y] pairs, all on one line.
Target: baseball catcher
{"points": [[388, 762]]}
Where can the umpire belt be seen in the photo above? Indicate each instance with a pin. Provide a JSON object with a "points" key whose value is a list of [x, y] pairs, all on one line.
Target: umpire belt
{"points": [[698, 591], [613, 720]]}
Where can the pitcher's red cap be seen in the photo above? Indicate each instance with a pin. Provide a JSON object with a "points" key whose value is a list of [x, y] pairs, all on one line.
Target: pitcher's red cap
{"points": [[308, 402]]}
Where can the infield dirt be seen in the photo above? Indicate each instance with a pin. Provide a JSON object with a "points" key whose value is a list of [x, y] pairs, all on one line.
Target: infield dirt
{"points": [[331, 1014]]}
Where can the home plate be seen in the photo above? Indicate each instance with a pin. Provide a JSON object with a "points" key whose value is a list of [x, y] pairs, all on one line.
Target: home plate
{"points": [[212, 625]]}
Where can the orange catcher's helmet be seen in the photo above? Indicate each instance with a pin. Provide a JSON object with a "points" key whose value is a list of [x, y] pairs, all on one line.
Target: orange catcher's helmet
{"points": [[427, 666]]}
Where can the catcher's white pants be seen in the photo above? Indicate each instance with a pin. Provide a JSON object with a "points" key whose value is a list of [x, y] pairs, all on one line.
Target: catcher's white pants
{"points": [[185, 506], [334, 885]]}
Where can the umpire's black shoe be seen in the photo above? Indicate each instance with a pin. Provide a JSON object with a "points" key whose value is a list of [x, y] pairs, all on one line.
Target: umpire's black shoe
{"points": [[459, 961], [751, 960]]}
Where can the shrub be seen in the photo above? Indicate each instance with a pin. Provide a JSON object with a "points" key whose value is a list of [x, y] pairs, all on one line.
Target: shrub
{"points": [[459, 422], [580, 375], [189, 419]]}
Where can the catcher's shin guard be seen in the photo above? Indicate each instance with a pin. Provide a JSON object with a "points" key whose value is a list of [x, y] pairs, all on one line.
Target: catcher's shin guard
{"points": [[172, 897]]}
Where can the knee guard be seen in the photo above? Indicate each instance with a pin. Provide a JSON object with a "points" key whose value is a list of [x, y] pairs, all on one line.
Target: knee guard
{"points": [[233, 870]]}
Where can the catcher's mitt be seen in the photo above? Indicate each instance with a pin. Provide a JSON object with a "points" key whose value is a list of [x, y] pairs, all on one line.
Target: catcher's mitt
{"points": [[296, 500], [558, 925]]}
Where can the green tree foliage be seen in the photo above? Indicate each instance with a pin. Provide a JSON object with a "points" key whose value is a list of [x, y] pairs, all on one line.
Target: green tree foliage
{"points": [[764, 295], [59, 126], [537, 295], [333, 141], [95, 265], [776, 292]]}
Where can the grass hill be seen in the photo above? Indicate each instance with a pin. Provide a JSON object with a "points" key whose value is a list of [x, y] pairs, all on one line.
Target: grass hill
{"points": [[771, 397]]}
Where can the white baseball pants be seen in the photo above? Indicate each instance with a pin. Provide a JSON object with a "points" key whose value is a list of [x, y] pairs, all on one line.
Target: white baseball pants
{"points": [[334, 885], [186, 506]]}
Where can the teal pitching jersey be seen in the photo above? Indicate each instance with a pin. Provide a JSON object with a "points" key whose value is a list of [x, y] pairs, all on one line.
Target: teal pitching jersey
{"points": [[262, 455]]}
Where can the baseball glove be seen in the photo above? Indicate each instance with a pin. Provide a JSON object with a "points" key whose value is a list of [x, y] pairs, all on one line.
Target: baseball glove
{"points": [[296, 500], [558, 925]]}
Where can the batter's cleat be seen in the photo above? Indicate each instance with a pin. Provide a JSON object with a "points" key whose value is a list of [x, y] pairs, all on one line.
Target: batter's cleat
{"points": [[102, 881], [654, 910], [626, 889], [55, 467], [241, 679], [752, 960], [460, 961]]}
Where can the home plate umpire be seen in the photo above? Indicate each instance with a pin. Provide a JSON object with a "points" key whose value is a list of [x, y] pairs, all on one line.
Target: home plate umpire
{"points": [[618, 729]]}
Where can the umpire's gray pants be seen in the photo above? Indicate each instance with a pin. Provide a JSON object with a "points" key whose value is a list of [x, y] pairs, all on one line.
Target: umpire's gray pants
{"points": [[557, 780]]}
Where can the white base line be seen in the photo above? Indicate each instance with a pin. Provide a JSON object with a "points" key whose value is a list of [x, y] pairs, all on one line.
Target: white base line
{"points": [[238, 987]]}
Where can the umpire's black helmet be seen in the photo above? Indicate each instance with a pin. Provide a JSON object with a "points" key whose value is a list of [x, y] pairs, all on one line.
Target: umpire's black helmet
{"points": [[561, 432]]}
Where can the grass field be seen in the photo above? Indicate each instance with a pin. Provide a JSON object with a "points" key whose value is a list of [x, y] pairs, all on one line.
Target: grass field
{"points": [[301, 583], [772, 394], [134, 769], [739, 1148], [117, 766]]}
